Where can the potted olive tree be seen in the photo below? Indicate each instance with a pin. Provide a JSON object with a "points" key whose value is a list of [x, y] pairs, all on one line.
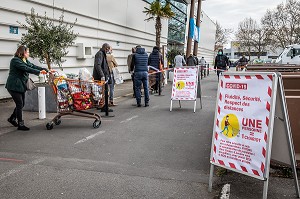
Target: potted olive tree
{"points": [[48, 40]]}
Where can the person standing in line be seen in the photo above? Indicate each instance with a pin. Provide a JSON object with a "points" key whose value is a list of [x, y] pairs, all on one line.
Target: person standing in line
{"points": [[156, 60], [179, 60], [101, 70], [191, 61], [221, 62], [131, 69], [202, 64], [140, 65], [112, 63], [18, 76]]}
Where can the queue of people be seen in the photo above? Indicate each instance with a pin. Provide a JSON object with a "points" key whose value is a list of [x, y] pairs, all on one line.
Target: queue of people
{"points": [[104, 64]]}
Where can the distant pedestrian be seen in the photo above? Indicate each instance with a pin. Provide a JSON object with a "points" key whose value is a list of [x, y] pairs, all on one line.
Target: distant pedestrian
{"points": [[156, 60], [131, 68], [112, 63], [179, 60], [242, 63], [18, 76], [202, 61], [191, 61], [140, 65], [221, 62], [101, 71], [202, 64]]}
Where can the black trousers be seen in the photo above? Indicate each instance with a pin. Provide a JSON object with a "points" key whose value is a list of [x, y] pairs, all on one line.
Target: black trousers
{"points": [[19, 99]]}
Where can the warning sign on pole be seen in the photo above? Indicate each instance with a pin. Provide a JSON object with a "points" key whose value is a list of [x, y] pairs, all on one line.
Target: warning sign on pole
{"points": [[244, 124]]}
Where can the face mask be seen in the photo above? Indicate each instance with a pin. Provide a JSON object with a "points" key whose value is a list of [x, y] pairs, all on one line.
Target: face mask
{"points": [[219, 53]]}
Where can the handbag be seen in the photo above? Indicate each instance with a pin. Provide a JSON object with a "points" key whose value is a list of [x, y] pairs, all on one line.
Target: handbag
{"points": [[30, 84]]}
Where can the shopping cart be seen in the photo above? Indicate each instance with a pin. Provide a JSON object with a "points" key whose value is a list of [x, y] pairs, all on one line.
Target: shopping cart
{"points": [[74, 97]]}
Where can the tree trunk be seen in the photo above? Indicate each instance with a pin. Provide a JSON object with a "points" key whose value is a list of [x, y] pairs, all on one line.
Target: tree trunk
{"points": [[158, 31], [48, 60]]}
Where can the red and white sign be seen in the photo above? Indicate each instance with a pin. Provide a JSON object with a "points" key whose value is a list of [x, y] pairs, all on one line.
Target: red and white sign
{"points": [[241, 123], [185, 83]]}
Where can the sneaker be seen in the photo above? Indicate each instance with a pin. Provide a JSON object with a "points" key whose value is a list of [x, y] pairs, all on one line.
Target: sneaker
{"points": [[138, 105], [13, 122]]}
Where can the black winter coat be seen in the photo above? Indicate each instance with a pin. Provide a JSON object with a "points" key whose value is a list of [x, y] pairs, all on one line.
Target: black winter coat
{"points": [[101, 68]]}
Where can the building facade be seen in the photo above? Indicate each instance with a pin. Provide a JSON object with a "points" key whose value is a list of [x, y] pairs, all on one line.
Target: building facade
{"points": [[121, 23]]}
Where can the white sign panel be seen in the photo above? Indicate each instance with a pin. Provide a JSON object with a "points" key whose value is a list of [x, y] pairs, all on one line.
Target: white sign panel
{"points": [[242, 123], [185, 83]]}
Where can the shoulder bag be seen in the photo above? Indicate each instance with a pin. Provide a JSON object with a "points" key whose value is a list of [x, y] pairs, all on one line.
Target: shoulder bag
{"points": [[30, 84]]}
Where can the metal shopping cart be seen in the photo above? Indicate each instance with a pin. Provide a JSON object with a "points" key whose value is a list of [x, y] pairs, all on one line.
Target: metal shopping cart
{"points": [[74, 97]]}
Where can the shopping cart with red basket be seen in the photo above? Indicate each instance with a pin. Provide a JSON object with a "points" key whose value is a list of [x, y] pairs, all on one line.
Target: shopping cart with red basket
{"points": [[74, 97]]}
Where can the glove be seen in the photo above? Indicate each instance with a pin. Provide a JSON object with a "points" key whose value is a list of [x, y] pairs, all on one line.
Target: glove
{"points": [[227, 67]]}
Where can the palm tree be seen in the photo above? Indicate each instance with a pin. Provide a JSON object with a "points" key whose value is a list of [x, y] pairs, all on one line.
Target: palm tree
{"points": [[158, 12]]}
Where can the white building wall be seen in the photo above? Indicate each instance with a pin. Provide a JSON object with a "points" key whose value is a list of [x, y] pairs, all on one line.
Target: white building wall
{"points": [[117, 22], [207, 39]]}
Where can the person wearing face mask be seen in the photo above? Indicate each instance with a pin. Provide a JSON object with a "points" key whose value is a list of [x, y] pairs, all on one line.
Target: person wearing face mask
{"points": [[243, 61], [101, 70], [221, 62], [18, 76]]}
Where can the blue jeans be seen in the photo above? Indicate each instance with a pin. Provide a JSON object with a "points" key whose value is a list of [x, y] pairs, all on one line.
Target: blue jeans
{"points": [[139, 78], [111, 89]]}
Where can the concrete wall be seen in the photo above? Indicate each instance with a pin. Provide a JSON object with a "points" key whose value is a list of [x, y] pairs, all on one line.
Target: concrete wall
{"points": [[117, 22]]}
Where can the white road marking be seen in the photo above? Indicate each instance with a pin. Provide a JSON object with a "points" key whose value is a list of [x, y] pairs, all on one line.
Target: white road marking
{"points": [[90, 137], [225, 193], [127, 120], [21, 168]]}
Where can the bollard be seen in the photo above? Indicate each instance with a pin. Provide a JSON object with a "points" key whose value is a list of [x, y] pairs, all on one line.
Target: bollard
{"points": [[42, 102]]}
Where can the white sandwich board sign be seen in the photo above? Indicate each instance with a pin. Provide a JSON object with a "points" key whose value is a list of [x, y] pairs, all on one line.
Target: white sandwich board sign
{"points": [[185, 84], [247, 106]]}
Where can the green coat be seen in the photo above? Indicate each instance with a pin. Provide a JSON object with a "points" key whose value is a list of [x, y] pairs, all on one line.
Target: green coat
{"points": [[19, 74]]}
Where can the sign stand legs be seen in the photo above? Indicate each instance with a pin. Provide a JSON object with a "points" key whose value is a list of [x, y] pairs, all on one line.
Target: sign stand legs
{"points": [[265, 192], [179, 104], [171, 106], [195, 105], [211, 174]]}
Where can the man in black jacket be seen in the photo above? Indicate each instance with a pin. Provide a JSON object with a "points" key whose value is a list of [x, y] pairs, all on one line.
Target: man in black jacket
{"points": [[140, 65], [221, 62], [101, 70], [155, 60]]}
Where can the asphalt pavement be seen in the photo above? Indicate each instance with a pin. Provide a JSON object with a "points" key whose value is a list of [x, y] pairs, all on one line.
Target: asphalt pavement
{"points": [[140, 152]]}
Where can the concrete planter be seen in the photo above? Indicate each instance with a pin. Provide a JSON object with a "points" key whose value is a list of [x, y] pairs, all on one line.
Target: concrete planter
{"points": [[32, 104]]}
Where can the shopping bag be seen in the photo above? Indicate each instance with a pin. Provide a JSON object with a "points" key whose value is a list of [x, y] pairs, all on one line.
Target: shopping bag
{"points": [[118, 78]]}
